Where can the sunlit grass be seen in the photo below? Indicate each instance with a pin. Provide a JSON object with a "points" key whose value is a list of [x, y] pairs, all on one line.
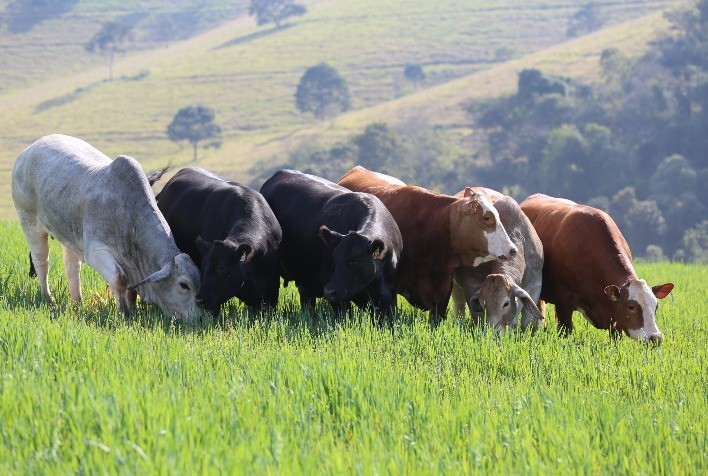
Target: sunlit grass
{"points": [[84, 390]]}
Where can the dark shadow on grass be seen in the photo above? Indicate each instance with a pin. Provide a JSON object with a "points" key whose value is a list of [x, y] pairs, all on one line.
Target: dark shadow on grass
{"points": [[253, 36]]}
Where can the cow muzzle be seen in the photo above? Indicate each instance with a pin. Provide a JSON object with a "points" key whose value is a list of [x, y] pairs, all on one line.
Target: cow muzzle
{"points": [[655, 339], [510, 254], [331, 294]]}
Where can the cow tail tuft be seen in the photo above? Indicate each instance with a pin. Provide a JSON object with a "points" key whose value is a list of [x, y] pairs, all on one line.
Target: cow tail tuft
{"points": [[32, 271], [157, 175]]}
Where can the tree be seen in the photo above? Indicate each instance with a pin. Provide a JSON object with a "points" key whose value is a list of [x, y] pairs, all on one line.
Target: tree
{"points": [[586, 20], [23, 15], [414, 73], [108, 41], [194, 124], [563, 155], [695, 244], [322, 91], [378, 147], [275, 11], [533, 82]]}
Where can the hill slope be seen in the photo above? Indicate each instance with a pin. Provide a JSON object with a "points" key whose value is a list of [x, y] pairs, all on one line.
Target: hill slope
{"points": [[249, 75]]}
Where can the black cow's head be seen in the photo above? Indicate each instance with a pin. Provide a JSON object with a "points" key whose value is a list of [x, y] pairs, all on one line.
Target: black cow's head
{"points": [[357, 261], [223, 271]]}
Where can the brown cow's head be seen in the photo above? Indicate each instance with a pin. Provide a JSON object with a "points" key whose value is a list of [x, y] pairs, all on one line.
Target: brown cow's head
{"points": [[635, 305], [477, 233]]}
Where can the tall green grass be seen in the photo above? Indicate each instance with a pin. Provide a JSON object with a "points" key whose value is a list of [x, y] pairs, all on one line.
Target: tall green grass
{"points": [[84, 390]]}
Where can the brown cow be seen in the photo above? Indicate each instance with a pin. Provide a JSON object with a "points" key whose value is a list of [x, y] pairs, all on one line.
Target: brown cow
{"points": [[588, 268], [440, 233]]}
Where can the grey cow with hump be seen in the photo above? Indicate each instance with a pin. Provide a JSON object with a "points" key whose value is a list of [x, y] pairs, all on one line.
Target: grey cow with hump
{"points": [[103, 212], [503, 289]]}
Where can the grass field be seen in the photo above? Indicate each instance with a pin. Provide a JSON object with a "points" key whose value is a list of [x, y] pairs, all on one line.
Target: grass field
{"points": [[249, 74], [83, 389]]}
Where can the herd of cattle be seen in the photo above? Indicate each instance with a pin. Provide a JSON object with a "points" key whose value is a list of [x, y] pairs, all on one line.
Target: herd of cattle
{"points": [[204, 239]]}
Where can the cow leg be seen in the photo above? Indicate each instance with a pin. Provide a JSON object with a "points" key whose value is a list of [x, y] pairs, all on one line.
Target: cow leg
{"points": [[307, 301], [38, 241], [106, 265], [459, 303], [564, 313], [131, 297], [438, 312], [72, 267]]}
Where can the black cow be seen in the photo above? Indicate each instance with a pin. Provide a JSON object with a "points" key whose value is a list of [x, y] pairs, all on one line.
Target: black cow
{"points": [[338, 244], [230, 233]]}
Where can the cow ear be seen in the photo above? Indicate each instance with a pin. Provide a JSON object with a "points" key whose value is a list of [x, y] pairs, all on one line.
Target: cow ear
{"points": [[613, 292], [528, 302], [245, 252], [203, 246], [662, 290], [331, 238], [158, 275], [377, 249], [469, 192]]}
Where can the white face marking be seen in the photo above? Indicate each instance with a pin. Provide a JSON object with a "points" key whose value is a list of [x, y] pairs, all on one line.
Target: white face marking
{"points": [[498, 242], [478, 261], [641, 292]]}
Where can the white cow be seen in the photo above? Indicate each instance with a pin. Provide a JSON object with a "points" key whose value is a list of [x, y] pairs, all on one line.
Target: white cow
{"points": [[502, 289], [103, 213]]}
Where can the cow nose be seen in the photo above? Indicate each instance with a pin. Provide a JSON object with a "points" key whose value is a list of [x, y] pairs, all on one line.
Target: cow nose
{"points": [[656, 339], [509, 254], [330, 294]]}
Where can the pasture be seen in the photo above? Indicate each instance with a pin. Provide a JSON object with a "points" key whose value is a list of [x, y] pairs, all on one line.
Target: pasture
{"points": [[81, 388]]}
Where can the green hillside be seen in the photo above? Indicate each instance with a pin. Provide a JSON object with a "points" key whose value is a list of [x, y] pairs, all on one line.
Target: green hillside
{"points": [[248, 74]]}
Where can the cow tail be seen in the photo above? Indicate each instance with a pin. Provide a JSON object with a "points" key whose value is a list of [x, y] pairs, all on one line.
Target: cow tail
{"points": [[157, 175], [32, 271]]}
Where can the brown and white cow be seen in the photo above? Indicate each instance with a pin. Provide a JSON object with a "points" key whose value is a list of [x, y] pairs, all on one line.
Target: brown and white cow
{"points": [[503, 289], [440, 233], [588, 268]]}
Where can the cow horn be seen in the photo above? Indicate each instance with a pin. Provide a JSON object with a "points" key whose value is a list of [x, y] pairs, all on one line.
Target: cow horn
{"points": [[528, 302], [158, 275]]}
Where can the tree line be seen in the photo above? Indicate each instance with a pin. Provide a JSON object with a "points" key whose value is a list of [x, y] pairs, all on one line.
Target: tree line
{"points": [[634, 145]]}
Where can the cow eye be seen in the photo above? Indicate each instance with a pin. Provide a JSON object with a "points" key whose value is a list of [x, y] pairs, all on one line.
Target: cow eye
{"points": [[506, 304], [184, 286]]}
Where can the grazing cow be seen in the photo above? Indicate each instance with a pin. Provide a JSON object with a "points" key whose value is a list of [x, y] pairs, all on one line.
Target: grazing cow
{"points": [[342, 245], [103, 213], [440, 233], [588, 268], [504, 288], [230, 233]]}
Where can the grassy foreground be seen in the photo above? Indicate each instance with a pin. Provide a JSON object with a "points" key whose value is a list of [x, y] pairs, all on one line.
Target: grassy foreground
{"points": [[82, 390]]}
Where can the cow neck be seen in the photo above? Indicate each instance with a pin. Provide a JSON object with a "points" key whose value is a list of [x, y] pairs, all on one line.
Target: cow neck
{"points": [[153, 250], [614, 268]]}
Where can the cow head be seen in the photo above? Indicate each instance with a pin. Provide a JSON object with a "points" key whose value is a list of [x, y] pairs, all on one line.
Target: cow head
{"points": [[357, 261], [224, 266], [477, 233], [173, 287], [634, 309], [503, 299]]}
